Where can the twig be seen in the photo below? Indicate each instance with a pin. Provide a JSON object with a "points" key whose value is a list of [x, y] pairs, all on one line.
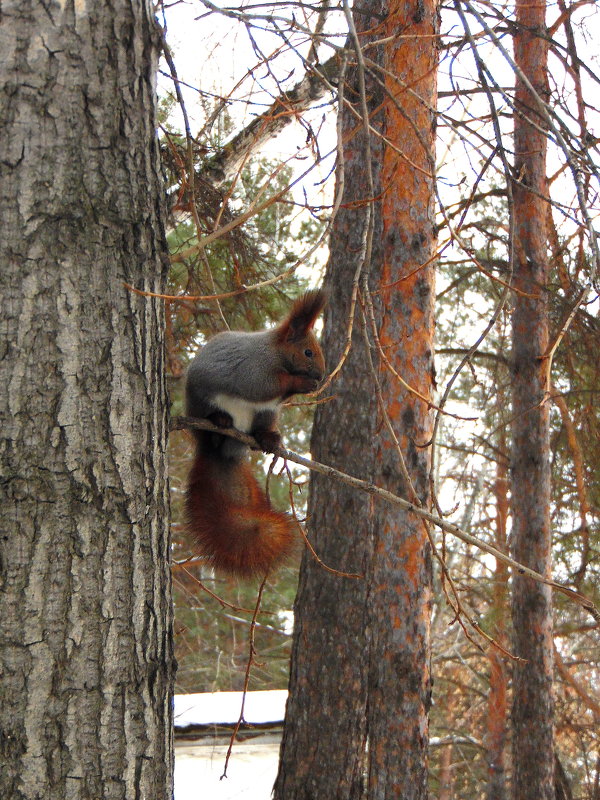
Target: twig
{"points": [[250, 662], [307, 541], [180, 423], [216, 597]]}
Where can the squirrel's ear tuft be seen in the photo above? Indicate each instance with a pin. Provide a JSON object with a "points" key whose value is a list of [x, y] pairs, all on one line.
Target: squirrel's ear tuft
{"points": [[302, 316]]}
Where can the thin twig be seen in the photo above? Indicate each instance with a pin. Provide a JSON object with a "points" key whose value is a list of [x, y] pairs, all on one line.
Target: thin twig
{"points": [[216, 597], [249, 663], [307, 541], [370, 488]]}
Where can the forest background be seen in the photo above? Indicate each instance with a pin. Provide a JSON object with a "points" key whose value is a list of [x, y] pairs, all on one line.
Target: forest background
{"points": [[472, 338]]}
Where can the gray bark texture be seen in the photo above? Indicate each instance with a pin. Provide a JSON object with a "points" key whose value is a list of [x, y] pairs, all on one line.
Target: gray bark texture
{"points": [[86, 660]]}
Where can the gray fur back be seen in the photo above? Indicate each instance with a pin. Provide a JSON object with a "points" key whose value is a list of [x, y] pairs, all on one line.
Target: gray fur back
{"points": [[237, 363]]}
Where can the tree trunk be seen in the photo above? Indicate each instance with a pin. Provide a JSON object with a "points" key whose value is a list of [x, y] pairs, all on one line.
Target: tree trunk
{"points": [[449, 705], [446, 779], [533, 750], [85, 608], [323, 749], [356, 723], [400, 577], [497, 715]]}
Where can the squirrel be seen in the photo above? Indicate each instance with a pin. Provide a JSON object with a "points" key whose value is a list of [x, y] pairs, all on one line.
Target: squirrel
{"points": [[240, 379]]}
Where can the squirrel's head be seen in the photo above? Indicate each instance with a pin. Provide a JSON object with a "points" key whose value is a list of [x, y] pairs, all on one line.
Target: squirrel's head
{"points": [[298, 345]]}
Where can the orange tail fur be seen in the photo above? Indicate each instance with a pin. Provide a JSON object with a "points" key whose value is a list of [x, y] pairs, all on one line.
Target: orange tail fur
{"points": [[230, 517]]}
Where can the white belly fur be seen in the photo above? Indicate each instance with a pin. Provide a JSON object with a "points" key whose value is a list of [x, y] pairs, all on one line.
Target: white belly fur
{"points": [[242, 411]]}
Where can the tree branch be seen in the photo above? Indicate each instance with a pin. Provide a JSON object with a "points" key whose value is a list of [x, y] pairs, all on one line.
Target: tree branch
{"points": [[313, 86], [180, 423]]}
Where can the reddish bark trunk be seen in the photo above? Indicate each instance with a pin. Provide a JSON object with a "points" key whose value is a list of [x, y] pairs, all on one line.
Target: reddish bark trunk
{"points": [[446, 774], [324, 743], [497, 716], [360, 682], [533, 752], [400, 596]]}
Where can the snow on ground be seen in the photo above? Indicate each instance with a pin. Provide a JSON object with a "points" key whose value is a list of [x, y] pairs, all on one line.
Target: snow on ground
{"points": [[250, 775], [213, 708], [199, 763]]}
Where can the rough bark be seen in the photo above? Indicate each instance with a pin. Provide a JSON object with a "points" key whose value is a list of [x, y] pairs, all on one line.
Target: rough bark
{"points": [[85, 610], [400, 577], [359, 688], [323, 749], [533, 748], [497, 715]]}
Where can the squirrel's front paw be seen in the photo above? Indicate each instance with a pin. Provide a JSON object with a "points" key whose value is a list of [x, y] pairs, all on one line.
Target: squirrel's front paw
{"points": [[304, 385], [268, 440], [221, 419]]}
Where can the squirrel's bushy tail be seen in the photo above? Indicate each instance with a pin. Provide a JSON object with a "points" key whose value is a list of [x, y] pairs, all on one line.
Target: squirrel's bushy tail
{"points": [[232, 521]]}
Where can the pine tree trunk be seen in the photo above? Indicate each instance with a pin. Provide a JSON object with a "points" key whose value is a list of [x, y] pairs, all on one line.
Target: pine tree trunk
{"points": [[400, 582], [85, 608], [497, 713], [324, 746], [448, 702], [533, 750], [356, 723]]}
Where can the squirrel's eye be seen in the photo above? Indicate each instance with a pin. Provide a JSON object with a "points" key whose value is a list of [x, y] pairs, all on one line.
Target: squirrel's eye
{"points": [[308, 353]]}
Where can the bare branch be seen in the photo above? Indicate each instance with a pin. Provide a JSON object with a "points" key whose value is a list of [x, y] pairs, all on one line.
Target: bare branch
{"points": [[285, 109], [180, 423]]}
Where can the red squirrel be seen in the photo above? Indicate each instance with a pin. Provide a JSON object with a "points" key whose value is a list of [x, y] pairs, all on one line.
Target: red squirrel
{"points": [[240, 380]]}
